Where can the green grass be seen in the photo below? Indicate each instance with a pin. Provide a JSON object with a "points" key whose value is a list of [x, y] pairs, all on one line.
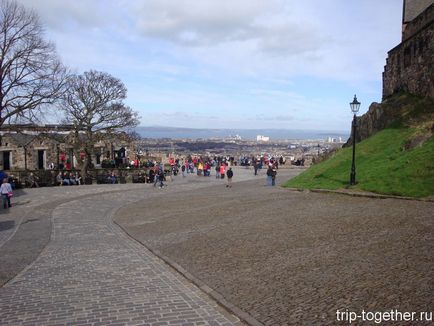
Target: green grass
{"points": [[382, 166]]}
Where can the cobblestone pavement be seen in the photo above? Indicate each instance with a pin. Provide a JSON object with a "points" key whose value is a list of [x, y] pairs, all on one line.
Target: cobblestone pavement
{"points": [[25, 228], [294, 258], [27, 202], [91, 272]]}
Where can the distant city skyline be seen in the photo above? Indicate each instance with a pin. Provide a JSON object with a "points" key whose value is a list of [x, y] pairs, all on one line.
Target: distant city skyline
{"points": [[245, 64], [244, 134]]}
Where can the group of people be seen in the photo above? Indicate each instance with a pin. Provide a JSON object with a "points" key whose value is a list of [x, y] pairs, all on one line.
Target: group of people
{"points": [[203, 167], [68, 179]]}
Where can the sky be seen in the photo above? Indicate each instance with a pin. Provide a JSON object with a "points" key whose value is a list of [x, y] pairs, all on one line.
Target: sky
{"points": [[247, 64]]}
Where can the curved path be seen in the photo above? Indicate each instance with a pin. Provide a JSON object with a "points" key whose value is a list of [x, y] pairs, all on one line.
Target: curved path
{"points": [[89, 271]]}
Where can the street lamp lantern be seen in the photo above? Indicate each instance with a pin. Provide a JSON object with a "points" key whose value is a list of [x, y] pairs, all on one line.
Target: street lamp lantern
{"points": [[355, 106]]}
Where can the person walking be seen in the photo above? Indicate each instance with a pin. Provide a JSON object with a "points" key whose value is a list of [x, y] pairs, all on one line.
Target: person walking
{"points": [[273, 176], [269, 175], [217, 170], [157, 175], [33, 180], [222, 170], [161, 178], [183, 170], [6, 192], [229, 174], [255, 166], [199, 168]]}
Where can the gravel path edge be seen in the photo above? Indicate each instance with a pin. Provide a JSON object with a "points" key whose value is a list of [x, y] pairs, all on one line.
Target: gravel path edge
{"points": [[360, 194]]}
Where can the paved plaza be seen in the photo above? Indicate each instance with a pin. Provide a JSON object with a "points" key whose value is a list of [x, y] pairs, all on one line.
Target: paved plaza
{"points": [[269, 255], [295, 258], [87, 270]]}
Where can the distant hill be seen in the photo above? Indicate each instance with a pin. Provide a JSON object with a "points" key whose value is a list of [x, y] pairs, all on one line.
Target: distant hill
{"points": [[247, 134], [396, 160]]}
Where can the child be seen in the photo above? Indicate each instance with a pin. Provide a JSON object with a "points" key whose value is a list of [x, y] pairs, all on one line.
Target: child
{"points": [[6, 191]]}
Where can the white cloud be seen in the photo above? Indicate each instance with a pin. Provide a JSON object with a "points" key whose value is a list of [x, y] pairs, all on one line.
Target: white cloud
{"points": [[233, 56], [261, 25], [267, 38], [190, 22], [56, 14]]}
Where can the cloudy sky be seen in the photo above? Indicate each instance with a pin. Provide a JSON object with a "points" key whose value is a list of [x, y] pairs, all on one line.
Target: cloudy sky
{"points": [[292, 64]]}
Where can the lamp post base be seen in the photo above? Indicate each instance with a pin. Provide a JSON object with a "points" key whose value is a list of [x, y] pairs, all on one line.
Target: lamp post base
{"points": [[352, 178]]}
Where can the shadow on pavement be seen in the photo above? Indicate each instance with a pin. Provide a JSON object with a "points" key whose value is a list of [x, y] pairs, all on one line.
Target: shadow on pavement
{"points": [[6, 225], [19, 192]]}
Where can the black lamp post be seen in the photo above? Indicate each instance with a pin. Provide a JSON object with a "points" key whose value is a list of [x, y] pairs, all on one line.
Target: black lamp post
{"points": [[355, 105]]}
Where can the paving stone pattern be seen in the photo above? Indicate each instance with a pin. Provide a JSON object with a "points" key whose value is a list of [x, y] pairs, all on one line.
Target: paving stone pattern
{"points": [[294, 258], [92, 273], [25, 228]]}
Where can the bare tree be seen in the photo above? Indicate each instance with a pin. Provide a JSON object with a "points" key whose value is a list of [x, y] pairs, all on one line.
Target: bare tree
{"points": [[94, 104], [31, 75]]}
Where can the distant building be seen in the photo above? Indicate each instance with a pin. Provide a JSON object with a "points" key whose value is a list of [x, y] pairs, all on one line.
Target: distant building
{"points": [[36, 147], [236, 137], [262, 138], [334, 140]]}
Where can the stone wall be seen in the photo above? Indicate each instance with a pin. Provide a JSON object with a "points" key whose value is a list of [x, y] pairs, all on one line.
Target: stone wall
{"points": [[409, 66], [418, 23]]}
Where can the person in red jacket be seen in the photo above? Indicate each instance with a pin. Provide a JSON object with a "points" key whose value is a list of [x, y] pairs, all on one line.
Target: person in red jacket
{"points": [[222, 170]]}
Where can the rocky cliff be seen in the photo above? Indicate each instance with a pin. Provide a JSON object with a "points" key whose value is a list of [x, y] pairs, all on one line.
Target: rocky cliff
{"points": [[402, 108]]}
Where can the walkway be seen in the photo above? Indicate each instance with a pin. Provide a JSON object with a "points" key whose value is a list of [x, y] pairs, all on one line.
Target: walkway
{"points": [[90, 272]]}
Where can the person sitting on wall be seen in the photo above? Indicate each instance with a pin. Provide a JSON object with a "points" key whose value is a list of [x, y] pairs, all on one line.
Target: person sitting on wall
{"points": [[113, 178], [59, 179], [66, 179], [72, 179], [33, 180], [78, 178]]}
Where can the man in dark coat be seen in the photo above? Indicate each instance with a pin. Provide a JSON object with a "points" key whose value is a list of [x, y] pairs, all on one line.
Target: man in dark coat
{"points": [[229, 174]]}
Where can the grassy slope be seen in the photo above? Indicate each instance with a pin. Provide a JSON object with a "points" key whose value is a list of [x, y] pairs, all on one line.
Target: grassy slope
{"points": [[382, 166]]}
